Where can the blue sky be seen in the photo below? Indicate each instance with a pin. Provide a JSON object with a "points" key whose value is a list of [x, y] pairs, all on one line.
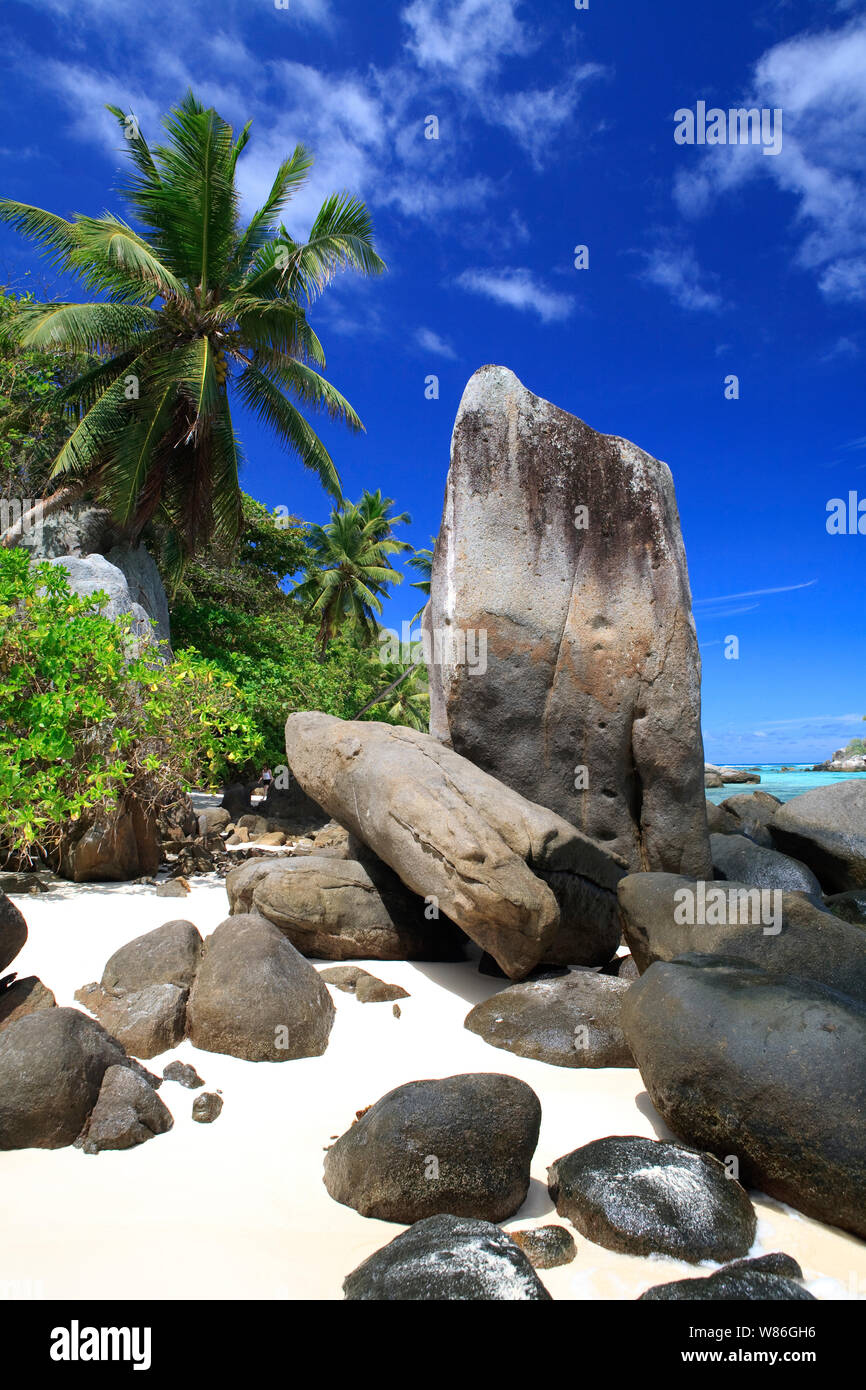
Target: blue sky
{"points": [[556, 129]]}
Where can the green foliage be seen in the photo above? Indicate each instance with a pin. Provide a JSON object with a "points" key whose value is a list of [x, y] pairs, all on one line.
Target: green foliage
{"points": [[240, 617], [191, 311], [857, 745], [349, 568], [83, 718], [32, 425]]}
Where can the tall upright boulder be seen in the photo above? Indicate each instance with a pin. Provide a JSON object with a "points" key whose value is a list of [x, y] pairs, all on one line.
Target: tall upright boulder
{"points": [[560, 550]]}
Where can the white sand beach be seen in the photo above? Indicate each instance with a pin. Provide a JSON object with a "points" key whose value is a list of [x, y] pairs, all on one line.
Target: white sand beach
{"points": [[238, 1209]]}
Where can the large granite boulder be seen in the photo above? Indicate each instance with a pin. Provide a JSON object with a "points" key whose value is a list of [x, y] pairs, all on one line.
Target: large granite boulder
{"points": [[560, 549], [256, 997], [13, 931], [773, 1277], [765, 1068], [569, 1022], [52, 1063], [514, 876], [644, 1197], [332, 909], [739, 858], [447, 1259], [826, 829], [18, 998], [110, 846], [784, 933], [169, 955], [92, 574], [461, 1145]]}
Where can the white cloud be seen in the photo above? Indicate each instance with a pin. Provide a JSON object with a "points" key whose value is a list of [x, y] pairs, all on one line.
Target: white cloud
{"points": [[519, 289], [535, 118], [817, 80], [756, 593], [675, 269], [431, 342], [465, 41]]}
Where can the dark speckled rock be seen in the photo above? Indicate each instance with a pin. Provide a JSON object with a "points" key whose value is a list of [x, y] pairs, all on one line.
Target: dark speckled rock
{"points": [[642, 1197], [461, 1145], [546, 1247], [447, 1258], [207, 1107], [739, 858], [569, 1022], [13, 931], [767, 1278]]}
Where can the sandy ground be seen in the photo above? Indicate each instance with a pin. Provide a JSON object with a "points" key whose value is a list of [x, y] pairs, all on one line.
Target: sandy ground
{"points": [[238, 1209]]}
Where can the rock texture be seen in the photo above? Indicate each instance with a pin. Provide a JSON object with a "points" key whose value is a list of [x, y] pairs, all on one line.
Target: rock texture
{"points": [[22, 997], [826, 829], [169, 955], [511, 874], [52, 1064], [643, 1197], [462, 1146], [569, 1022], [13, 931], [546, 1247], [256, 997], [763, 1067], [563, 547], [812, 943], [91, 574], [332, 909], [770, 1278], [739, 858], [444, 1259], [128, 1112]]}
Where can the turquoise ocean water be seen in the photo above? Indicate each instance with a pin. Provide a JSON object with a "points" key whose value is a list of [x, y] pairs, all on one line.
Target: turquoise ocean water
{"points": [[784, 785]]}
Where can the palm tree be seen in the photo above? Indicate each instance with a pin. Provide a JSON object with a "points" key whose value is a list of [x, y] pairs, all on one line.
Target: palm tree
{"points": [[406, 699], [191, 305], [422, 561], [350, 568]]}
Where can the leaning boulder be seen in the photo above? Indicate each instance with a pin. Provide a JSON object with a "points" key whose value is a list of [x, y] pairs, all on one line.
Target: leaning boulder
{"points": [[256, 997], [511, 874], [462, 1145], [764, 1068], [564, 659], [128, 1112], [447, 1258], [22, 997], [665, 916], [332, 909], [569, 1022], [52, 1064], [13, 931], [826, 829], [644, 1197]]}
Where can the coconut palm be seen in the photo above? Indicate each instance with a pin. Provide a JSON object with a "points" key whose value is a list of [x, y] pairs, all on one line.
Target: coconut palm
{"points": [[350, 568], [422, 561], [193, 308], [406, 700]]}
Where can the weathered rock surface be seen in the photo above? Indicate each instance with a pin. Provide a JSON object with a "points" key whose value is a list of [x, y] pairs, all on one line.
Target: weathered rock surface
{"points": [[644, 1197], [826, 829], [343, 977], [739, 858], [591, 656], [147, 1022], [52, 1063], [569, 1022], [170, 955], [13, 931], [461, 1145], [332, 909], [256, 997], [768, 1278], [720, 821], [850, 906], [22, 997], [764, 1067], [511, 874], [183, 1074], [546, 1247], [110, 847], [207, 1107], [128, 1112], [812, 943], [370, 990], [736, 776], [91, 574], [447, 1258]]}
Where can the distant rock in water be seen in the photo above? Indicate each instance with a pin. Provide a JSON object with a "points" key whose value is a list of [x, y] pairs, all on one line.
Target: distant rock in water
{"points": [[564, 655]]}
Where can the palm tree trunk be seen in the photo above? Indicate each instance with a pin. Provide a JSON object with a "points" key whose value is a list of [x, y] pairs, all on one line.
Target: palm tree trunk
{"points": [[410, 671], [68, 493]]}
